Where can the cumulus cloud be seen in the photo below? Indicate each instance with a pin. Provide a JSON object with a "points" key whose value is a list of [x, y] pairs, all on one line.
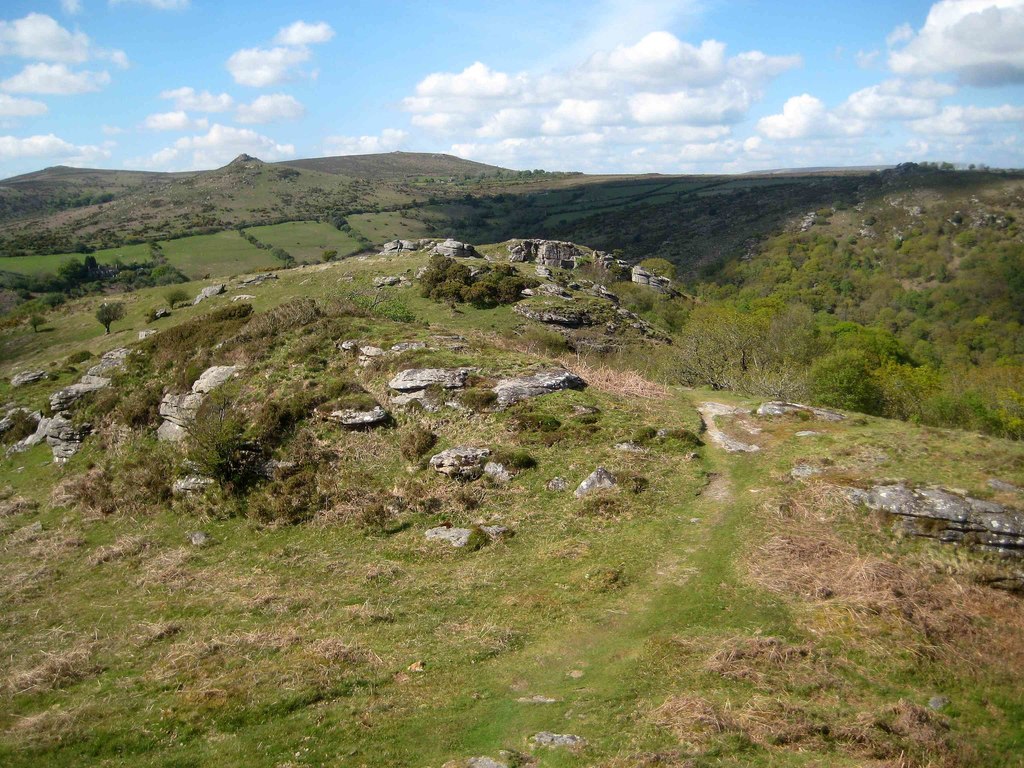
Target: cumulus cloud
{"points": [[49, 146], [977, 40], [38, 36], [71, 7], [54, 79], [804, 116], [260, 67], [216, 147], [963, 120], [12, 107], [658, 88], [897, 100], [389, 140], [301, 33], [270, 108], [188, 98], [173, 121]]}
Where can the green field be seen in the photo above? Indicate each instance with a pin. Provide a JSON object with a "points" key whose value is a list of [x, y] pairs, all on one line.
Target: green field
{"points": [[381, 227], [306, 240], [48, 263]]}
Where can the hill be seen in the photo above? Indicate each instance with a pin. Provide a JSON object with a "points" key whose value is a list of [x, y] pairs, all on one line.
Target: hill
{"points": [[398, 166], [437, 504]]}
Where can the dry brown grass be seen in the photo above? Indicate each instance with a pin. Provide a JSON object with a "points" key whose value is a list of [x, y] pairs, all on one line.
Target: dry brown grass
{"points": [[51, 726], [16, 505], [613, 381], [167, 568], [55, 670], [752, 659], [123, 548]]}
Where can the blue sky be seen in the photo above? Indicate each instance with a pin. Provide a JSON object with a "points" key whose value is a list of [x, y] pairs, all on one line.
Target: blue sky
{"points": [[599, 86]]}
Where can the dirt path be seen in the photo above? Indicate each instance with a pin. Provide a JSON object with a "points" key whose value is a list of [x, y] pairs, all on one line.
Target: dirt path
{"points": [[708, 412]]}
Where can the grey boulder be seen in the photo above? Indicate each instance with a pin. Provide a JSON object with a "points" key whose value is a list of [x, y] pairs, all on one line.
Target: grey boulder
{"points": [[27, 377], [511, 391], [781, 408], [209, 292], [415, 379], [463, 462], [598, 480]]}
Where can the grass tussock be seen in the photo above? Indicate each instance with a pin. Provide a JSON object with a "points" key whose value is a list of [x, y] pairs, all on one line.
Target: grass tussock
{"points": [[123, 548], [55, 670], [615, 382]]}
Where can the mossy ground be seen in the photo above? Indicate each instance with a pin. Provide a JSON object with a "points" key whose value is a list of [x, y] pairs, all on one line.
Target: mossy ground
{"points": [[338, 642]]}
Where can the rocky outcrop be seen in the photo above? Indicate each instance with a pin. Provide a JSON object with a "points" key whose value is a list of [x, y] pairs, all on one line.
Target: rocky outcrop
{"points": [[947, 516], [145, 333], [209, 292], [463, 462], [255, 280], [598, 480], [27, 377], [566, 316], [64, 437], [548, 739], [641, 276], [189, 484], [780, 408], [109, 362], [414, 379], [510, 391], [63, 399], [30, 441], [454, 249], [161, 313], [359, 418], [178, 411], [554, 254], [461, 537], [396, 247]]}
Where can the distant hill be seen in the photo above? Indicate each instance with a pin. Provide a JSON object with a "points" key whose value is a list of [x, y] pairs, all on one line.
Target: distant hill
{"points": [[396, 166]]}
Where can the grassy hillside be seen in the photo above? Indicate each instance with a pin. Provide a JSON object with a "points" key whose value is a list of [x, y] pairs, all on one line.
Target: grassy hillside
{"points": [[709, 610], [397, 166]]}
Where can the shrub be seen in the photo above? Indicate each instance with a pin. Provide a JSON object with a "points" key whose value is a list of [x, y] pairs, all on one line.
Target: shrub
{"points": [[217, 445], [140, 408], [110, 313], [478, 399], [276, 420], [688, 438], [843, 380], [449, 281], [288, 500], [176, 296], [644, 435], [415, 442], [79, 357], [21, 427], [514, 459], [535, 422]]}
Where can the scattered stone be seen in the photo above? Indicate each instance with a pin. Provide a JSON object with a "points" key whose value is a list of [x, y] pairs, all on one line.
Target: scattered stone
{"points": [[408, 346], [804, 471], [938, 702], [461, 537], [695, 520], [27, 377], [537, 699], [413, 379], [161, 313], [495, 532], [1002, 485], [484, 762], [349, 346], [780, 408], [198, 539], [243, 297], [209, 292], [255, 280], [109, 362], [145, 333], [454, 249], [389, 281], [353, 418], [213, 377], [190, 484], [947, 516], [558, 485], [598, 480], [808, 433], [368, 352], [629, 447], [462, 462], [511, 391], [548, 739], [497, 472]]}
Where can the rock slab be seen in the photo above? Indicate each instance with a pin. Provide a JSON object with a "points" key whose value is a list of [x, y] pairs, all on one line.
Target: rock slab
{"points": [[510, 391]]}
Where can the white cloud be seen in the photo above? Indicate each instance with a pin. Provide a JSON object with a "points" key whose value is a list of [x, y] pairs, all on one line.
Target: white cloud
{"points": [[978, 40], [173, 121], [867, 59], [54, 79], [260, 67], [217, 147], [12, 107], [803, 116], [50, 146], [301, 33], [111, 130], [389, 140], [188, 98], [71, 7], [270, 108], [38, 36], [160, 5], [901, 34], [659, 89], [896, 100], [960, 120]]}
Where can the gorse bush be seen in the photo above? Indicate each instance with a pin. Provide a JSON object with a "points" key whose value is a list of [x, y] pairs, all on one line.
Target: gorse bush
{"points": [[449, 281], [218, 446], [415, 442]]}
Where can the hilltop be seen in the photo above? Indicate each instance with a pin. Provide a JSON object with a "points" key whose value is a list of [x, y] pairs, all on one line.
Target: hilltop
{"points": [[398, 166]]}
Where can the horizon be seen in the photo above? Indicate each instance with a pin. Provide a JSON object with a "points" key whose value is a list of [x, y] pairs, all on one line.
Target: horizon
{"points": [[675, 87]]}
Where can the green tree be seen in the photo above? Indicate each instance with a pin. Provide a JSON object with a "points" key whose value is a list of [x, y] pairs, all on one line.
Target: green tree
{"points": [[36, 321], [843, 379], [110, 313], [176, 296], [659, 266]]}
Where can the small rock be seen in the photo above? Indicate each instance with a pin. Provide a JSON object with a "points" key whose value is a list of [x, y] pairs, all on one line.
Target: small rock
{"points": [[938, 702], [243, 297], [497, 472], [355, 419], [495, 532], [463, 462], [198, 539], [511, 391], [558, 484], [484, 762], [808, 433], [549, 739], [457, 537], [209, 292], [629, 447], [804, 471], [781, 408], [1002, 485], [575, 674], [598, 480], [454, 249], [536, 699], [145, 333], [27, 377], [407, 346], [190, 484], [695, 519], [371, 351], [161, 313], [414, 379], [212, 378], [349, 346]]}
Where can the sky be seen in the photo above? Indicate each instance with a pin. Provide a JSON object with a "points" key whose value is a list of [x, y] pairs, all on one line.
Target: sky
{"points": [[612, 86]]}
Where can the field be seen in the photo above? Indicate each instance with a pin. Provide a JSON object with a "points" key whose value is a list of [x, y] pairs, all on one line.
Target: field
{"points": [[306, 240]]}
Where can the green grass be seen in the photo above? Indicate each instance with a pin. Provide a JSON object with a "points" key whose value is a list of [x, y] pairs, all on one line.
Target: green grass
{"points": [[306, 240], [225, 253], [49, 263]]}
